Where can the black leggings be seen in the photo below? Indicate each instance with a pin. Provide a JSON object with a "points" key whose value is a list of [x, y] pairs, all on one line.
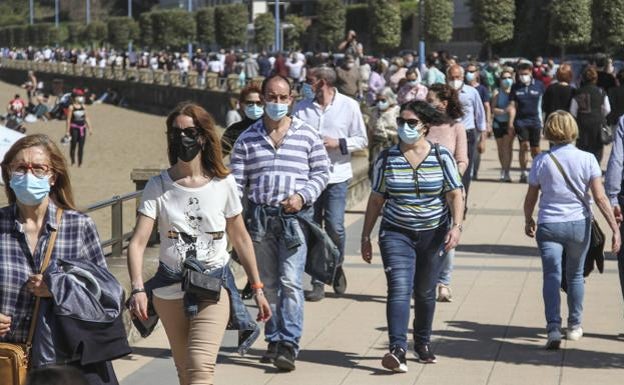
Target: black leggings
{"points": [[77, 139]]}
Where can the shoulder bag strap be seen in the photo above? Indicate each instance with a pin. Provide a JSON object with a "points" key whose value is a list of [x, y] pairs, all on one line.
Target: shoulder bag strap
{"points": [[44, 266], [569, 183]]}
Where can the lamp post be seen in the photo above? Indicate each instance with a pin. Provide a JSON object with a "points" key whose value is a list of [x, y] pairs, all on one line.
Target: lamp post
{"points": [[130, 19], [190, 44], [421, 43], [88, 11], [277, 27], [56, 13], [32, 12]]}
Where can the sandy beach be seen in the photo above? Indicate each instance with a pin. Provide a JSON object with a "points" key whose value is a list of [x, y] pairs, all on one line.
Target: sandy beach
{"points": [[122, 141]]}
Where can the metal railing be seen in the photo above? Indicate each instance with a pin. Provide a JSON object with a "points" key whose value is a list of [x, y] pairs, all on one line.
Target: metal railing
{"points": [[118, 237]]}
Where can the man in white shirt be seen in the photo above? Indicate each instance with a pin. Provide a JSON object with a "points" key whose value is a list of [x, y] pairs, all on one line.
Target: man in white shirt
{"points": [[338, 120]]}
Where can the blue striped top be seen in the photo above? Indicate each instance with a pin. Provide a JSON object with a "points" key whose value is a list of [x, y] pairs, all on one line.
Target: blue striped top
{"points": [[415, 197], [299, 165]]}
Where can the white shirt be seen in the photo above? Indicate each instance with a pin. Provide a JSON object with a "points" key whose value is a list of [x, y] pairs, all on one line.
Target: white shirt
{"points": [[190, 221], [215, 66], [341, 119]]}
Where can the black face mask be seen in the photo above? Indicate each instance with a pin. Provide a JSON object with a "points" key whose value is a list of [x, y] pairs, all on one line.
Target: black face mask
{"points": [[186, 147]]}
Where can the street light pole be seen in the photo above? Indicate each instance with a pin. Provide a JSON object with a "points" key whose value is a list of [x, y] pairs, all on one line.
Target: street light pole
{"points": [[88, 17], [277, 27], [32, 12], [129, 17], [421, 33], [56, 13], [190, 44]]}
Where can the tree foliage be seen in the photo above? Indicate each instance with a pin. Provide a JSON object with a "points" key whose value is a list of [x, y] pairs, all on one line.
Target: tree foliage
{"points": [[570, 22], [264, 30], [330, 23], [608, 24], [75, 33], [205, 18], [122, 30], [172, 28], [439, 20], [231, 24], [385, 22], [357, 18], [146, 34], [96, 32], [292, 36], [494, 19]]}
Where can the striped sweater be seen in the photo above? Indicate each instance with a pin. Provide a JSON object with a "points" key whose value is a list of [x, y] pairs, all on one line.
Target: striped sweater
{"points": [[300, 165]]}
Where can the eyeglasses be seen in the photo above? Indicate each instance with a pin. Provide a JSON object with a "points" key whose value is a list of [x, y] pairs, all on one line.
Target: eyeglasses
{"points": [[190, 132], [381, 100], [412, 123], [253, 102], [37, 169]]}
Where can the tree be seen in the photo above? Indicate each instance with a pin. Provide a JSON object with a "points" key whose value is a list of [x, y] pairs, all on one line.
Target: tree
{"points": [[608, 24], [330, 22], [75, 33], [173, 28], [264, 30], [357, 18], [146, 35], [531, 28], [570, 23], [439, 20], [385, 22], [292, 35], [494, 20], [121, 31], [96, 32], [231, 24], [205, 18]]}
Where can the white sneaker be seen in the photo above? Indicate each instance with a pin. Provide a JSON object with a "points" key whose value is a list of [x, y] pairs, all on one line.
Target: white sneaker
{"points": [[574, 334], [554, 340]]}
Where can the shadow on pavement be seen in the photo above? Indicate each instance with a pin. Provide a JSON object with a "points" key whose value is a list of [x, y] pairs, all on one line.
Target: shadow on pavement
{"points": [[484, 342], [525, 251], [357, 297], [148, 352]]}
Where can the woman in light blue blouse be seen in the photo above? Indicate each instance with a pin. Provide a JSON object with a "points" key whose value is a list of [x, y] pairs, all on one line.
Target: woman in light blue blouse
{"points": [[564, 220], [418, 186]]}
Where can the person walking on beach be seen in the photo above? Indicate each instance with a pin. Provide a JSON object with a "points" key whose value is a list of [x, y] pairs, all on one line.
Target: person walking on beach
{"points": [[77, 125]]}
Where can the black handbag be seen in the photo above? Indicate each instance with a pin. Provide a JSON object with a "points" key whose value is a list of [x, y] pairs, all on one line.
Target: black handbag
{"points": [[203, 285], [595, 252]]}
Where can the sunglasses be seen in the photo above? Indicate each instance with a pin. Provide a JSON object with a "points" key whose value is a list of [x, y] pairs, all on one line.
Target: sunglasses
{"points": [[412, 123], [190, 132]]}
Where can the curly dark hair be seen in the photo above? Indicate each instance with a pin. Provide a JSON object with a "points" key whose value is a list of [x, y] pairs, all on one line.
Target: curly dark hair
{"points": [[448, 94], [426, 113]]}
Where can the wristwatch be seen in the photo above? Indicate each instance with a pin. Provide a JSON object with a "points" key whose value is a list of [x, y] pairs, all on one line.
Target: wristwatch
{"points": [[459, 226]]}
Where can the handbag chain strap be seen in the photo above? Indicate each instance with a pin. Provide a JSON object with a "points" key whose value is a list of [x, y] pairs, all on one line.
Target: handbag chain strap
{"points": [[44, 265], [569, 183]]}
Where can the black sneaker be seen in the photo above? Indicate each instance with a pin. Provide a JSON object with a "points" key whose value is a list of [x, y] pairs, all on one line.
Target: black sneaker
{"points": [[269, 356], [340, 281], [285, 359], [317, 293], [424, 354], [395, 360]]}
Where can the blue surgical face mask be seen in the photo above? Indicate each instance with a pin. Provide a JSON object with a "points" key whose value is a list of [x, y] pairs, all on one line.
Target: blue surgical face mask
{"points": [[470, 76], [276, 111], [507, 82], [307, 92], [408, 134], [413, 83], [253, 111], [29, 189], [383, 105]]}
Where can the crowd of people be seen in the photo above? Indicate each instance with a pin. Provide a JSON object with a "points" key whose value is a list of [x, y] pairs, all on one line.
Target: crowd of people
{"points": [[281, 202]]}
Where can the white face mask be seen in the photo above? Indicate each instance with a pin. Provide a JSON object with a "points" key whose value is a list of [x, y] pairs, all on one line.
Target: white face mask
{"points": [[526, 79], [456, 84]]}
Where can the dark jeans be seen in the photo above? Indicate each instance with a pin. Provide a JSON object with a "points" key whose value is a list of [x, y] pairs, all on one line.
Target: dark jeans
{"points": [[412, 263], [472, 137], [77, 139]]}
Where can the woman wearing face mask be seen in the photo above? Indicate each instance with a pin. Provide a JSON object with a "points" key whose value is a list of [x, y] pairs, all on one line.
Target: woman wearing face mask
{"points": [[418, 186], [376, 81], [41, 208], [383, 126], [252, 109], [77, 125], [500, 124], [197, 207], [412, 89]]}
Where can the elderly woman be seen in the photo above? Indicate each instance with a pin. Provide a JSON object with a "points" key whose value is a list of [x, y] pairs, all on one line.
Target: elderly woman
{"points": [[41, 209], [418, 187], [411, 89], [564, 220], [383, 126], [198, 211]]}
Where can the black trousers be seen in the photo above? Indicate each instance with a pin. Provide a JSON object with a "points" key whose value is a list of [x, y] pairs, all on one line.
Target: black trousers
{"points": [[79, 140]]}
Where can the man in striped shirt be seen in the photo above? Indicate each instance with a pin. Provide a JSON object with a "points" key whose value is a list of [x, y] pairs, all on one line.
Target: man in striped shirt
{"points": [[283, 163]]}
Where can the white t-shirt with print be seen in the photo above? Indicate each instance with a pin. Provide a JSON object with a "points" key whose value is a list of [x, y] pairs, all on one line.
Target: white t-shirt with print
{"points": [[191, 222]]}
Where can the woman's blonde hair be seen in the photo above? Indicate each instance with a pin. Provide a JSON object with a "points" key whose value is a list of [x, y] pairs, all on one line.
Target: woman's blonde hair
{"points": [[61, 191], [561, 127]]}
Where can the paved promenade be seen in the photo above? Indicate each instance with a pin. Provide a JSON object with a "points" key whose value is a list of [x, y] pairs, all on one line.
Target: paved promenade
{"points": [[492, 333]]}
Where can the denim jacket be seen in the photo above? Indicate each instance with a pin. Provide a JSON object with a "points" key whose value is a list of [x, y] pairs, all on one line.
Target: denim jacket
{"points": [[240, 319]]}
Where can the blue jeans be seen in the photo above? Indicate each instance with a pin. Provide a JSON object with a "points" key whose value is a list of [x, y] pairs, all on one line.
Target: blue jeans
{"points": [[552, 240], [329, 212], [473, 137], [281, 270], [444, 278], [411, 262]]}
